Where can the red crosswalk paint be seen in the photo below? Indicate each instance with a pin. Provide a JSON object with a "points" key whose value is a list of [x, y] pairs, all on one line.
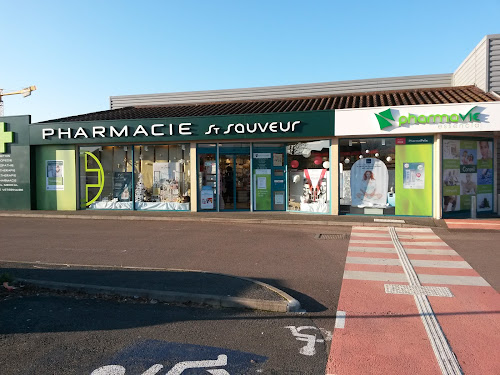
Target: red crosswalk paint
{"points": [[384, 333], [473, 224]]}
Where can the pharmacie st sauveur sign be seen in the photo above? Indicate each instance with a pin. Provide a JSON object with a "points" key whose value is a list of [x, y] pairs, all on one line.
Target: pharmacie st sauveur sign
{"points": [[272, 125], [416, 119]]}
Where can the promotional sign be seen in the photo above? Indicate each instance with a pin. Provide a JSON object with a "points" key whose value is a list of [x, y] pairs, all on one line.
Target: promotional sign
{"points": [[467, 172], [413, 195], [441, 118], [54, 174], [262, 193], [414, 176], [207, 198], [122, 186], [369, 183]]}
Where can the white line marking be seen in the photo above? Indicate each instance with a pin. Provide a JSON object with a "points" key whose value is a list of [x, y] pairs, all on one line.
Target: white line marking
{"points": [[371, 229], [414, 230], [432, 252], [440, 263], [453, 280], [354, 241], [372, 250], [374, 276], [376, 261], [340, 320], [424, 243]]}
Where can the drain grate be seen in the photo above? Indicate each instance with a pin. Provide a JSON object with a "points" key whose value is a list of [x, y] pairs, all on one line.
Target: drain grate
{"points": [[332, 236]]}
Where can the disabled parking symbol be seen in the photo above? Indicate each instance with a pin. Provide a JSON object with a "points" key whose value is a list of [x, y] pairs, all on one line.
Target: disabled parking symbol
{"points": [[154, 357]]}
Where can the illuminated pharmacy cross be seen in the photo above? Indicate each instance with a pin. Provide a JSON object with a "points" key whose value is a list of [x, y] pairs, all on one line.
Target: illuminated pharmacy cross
{"points": [[5, 137]]}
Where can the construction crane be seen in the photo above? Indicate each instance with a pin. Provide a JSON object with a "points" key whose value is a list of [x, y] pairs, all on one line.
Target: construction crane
{"points": [[25, 92]]}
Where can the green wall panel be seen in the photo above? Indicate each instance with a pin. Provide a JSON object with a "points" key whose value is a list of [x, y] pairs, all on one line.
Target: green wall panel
{"points": [[55, 193], [414, 201]]}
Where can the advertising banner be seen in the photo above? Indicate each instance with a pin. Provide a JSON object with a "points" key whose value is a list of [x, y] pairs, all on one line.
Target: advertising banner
{"points": [[369, 183], [467, 172], [262, 182], [54, 175], [122, 186]]}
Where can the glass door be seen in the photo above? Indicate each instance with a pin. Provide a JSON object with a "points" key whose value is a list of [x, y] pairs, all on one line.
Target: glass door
{"points": [[235, 181]]}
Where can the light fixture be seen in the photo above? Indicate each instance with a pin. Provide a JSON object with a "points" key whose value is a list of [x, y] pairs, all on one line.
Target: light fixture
{"points": [[146, 148], [388, 158], [367, 151], [377, 154], [346, 160], [383, 141], [350, 142], [361, 156]]}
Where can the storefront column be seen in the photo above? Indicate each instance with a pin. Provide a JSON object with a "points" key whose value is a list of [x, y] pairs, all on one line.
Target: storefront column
{"points": [[194, 178], [334, 176], [438, 177]]}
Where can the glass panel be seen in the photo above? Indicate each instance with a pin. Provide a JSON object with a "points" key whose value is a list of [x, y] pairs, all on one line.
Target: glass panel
{"points": [[243, 182], [162, 177], [106, 177], [372, 190], [207, 181], [308, 177], [226, 167]]}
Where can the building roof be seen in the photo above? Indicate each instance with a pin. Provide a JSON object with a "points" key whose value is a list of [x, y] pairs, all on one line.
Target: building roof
{"points": [[444, 95]]}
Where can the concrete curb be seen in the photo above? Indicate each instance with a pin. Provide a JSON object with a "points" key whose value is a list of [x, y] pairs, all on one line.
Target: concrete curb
{"points": [[164, 296], [217, 220]]}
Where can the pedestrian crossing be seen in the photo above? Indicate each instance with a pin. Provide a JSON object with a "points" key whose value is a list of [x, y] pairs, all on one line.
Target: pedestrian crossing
{"points": [[384, 315]]}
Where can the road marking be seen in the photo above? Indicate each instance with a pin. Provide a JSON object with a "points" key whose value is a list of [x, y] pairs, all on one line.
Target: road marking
{"points": [[378, 261], [388, 221], [453, 280], [371, 249], [445, 357], [431, 252], [435, 291], [374, 276], [440, 263], [354, 241], [311, 340], [340, 320], [435, 244]]}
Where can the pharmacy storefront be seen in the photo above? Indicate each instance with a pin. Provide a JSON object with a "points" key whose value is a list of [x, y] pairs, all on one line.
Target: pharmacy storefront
{"points": [[425, 160], [261, 162]]}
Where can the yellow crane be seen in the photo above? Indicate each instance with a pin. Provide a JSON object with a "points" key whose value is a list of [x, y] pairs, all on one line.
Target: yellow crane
{"points": [[25, 92]]}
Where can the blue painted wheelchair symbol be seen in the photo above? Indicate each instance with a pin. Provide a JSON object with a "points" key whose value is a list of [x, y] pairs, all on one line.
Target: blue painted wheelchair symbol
{"points": [[153, 357]]}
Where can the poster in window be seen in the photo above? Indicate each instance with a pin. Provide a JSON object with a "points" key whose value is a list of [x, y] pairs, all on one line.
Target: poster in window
{"points": [[413, 175], [122, 186], [54, 175], [369, 183]]}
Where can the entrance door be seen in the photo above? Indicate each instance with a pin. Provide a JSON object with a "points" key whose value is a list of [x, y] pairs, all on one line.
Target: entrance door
{"points": [[235, 181]]}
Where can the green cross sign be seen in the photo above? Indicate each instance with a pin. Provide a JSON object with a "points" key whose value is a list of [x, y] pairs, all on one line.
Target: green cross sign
{"points": [[5, 137]]}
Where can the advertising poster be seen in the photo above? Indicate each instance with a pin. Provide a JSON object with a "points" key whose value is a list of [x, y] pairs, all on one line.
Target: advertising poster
{"points": [[122, 186], [467, 171], [369, 183], [262, 195], [54, 175], [207, 198], [414, 176]]}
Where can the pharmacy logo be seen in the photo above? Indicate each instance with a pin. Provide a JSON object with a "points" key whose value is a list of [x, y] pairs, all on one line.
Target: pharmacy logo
{"points": [[5, 137], [384, 117]]}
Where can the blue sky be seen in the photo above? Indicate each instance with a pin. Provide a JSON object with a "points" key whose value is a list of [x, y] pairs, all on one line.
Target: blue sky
{"points": [[79, 53]]}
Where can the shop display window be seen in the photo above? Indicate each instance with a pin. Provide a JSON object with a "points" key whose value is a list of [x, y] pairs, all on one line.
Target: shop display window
{"points": [[367, 176], [106, 177], [162, 177], [207, 177], [308, 176]]}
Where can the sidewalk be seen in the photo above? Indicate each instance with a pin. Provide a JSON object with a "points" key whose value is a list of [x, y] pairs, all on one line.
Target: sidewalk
{"points": [[177, 286], [277, 218]]}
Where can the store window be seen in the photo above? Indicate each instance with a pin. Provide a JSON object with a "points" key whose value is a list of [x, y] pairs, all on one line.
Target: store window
{"points": [[309, 176], [106, 177], [207, 177], [162, 177], [367, 169], [467, 172]]}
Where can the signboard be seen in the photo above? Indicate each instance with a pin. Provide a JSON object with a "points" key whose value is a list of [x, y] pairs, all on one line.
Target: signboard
{"points": [[413, 175], [262, 180], [254, 126], [207, 198], [442, 118], [15, 185]]}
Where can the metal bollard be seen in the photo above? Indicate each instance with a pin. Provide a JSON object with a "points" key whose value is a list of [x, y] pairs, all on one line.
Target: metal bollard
{"points": [[473, 207]]}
